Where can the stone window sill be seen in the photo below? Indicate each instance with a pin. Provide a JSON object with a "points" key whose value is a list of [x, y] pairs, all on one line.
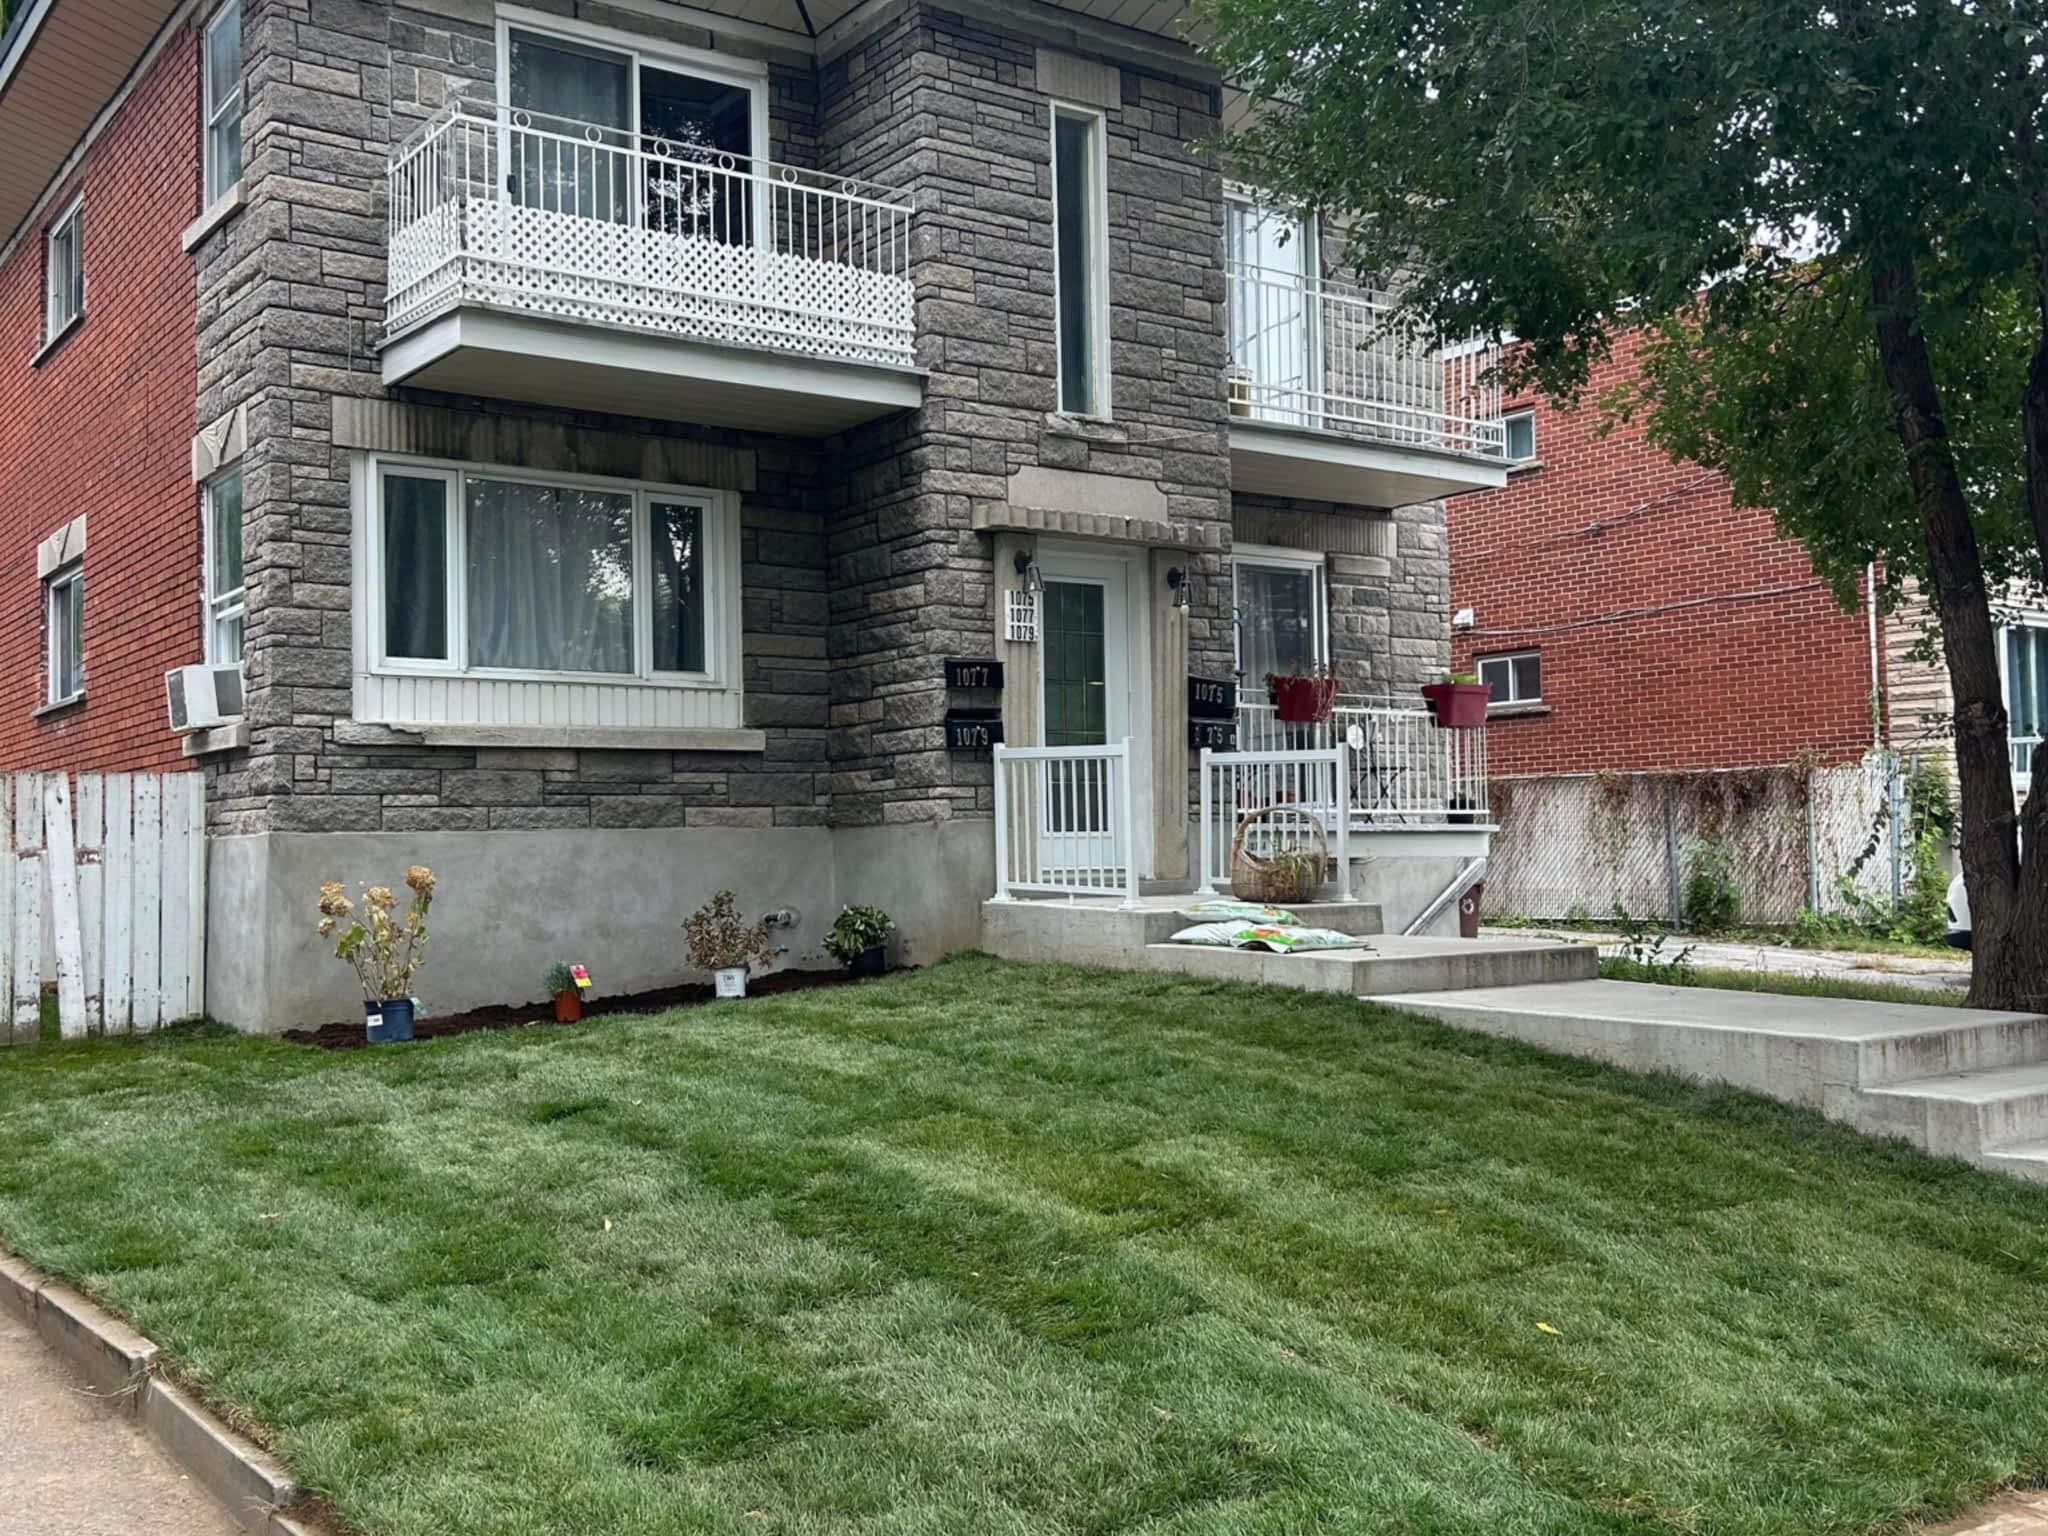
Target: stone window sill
{"points": [[1523, 466], [223, 208], [44, 352], [594, 738], [59, 706], [1532, 709], [222, 738]]}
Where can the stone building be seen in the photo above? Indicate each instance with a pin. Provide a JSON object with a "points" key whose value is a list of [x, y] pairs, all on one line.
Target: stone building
{"points": [[620, 413]]}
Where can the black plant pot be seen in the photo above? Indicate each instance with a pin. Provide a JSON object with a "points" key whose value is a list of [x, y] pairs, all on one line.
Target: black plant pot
{"points": [[391, 1021], [871, 961]]}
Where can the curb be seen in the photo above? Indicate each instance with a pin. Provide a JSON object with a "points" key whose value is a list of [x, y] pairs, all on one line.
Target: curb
{"points": [[120, 1365]]}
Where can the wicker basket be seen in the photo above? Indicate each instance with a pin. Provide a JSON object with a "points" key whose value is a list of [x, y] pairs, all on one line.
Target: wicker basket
{"points": [[1271, 882]]}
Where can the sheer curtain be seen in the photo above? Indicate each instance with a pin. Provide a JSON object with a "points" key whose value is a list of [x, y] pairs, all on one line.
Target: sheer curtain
{"points": [[1276, 621], [550, 577]]}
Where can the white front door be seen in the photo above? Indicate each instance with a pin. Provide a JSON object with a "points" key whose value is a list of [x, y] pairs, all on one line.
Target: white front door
{"points": [[1086, 699]]}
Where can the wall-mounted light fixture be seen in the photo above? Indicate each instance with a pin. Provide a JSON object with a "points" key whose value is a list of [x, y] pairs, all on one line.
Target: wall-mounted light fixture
{"points": [[1028, 579], [1182, 584]]}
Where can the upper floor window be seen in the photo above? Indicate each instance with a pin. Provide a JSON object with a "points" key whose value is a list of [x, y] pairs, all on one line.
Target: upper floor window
{"points": [[1514, 678], [1280, 614], [224, 591], [64, 633], [2026, 692], [64, 271], [1272, 286], [1521, 434], [1080, 208], [223, 75], [505, 573]]}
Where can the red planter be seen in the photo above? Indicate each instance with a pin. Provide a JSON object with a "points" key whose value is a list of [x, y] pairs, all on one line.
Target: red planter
{"points": [[1457, 704], [568, 1007], [1301, 700]]}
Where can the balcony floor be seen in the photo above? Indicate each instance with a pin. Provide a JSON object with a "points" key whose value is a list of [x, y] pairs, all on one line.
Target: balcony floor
{"points": [[476, 350], [1273, 459]]}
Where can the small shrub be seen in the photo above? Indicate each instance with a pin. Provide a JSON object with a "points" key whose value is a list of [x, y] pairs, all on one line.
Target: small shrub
{"points": [[855, 931], [719, 939], [1642, 953], [557, 980], [1710, 898], [384, 950]]}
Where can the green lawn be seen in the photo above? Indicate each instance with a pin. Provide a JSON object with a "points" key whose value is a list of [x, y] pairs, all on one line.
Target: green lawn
{"points": [[1003, 1249], [1854, 989]]}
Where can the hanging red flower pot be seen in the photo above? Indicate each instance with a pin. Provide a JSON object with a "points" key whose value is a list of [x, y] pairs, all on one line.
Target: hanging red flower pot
{"points": [[1457, 701], [1302, 698]]}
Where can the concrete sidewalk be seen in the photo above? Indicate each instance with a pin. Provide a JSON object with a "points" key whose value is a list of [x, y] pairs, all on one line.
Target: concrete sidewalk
{"points": [[74, 1466]]}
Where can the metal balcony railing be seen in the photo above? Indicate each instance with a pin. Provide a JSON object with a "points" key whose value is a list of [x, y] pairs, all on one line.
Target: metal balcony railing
{"points": [[1323, 355], [574, 222], [1405, 769]]}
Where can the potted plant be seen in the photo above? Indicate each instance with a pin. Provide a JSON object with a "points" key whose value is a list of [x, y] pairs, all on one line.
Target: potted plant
{"points": [[1459, 700], [858, 940], [725, 944], [384, 948], [1303, 698], [560, 983]]}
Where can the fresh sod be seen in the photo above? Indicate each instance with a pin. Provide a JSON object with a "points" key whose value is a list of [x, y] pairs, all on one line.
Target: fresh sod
{"points": [[991, 1248]]}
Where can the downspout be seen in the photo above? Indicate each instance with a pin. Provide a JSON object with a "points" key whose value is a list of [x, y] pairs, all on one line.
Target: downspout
{"points": [[1876, 676]]}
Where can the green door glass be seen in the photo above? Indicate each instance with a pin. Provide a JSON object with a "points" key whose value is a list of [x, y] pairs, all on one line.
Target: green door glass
{"points": [[1076, 665]]}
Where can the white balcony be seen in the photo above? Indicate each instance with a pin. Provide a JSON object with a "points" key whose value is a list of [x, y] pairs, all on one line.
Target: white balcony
{"points": [[1329, 400], [561, 263], [1404, 769]]}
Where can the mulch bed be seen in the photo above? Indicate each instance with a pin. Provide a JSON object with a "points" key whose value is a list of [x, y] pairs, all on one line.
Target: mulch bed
{"points": [[349, 1036]]}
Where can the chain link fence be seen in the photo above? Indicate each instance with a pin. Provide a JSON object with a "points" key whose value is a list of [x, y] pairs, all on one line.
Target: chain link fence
{"points": [[1574, 847]]}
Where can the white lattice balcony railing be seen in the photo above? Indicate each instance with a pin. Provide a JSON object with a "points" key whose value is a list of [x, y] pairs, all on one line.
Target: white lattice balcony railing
{"points": [[569, 221], [1309, 352], [1404, 767]]}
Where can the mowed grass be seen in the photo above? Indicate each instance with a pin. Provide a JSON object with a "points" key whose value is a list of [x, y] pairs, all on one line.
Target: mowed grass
{"points": [[1782, 983], [991, 1248]]}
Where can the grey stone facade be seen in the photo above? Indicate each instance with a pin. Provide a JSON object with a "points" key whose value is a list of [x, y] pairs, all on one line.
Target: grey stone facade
{"points": [[867, 558]]}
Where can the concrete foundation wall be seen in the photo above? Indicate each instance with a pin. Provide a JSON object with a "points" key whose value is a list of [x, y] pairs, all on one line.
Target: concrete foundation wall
{"points": [[510, 902]]}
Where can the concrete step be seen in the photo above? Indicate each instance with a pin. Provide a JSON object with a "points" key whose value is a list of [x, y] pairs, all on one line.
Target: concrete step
{"points": [[1821, 1052], [2021, 1159], [1101, 931], [1962, 1114], [1390, 964]]}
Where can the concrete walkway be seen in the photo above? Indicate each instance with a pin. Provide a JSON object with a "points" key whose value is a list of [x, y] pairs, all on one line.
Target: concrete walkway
{"points": [[1936, 974], [73, 1466]]}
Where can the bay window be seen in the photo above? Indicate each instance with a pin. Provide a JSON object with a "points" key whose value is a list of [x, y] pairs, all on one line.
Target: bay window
{"points": [[501, 573], [1280, 612]]}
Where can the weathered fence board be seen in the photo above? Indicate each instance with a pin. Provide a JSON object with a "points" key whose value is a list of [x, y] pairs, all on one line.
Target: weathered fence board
{"points": [[103, 889]]}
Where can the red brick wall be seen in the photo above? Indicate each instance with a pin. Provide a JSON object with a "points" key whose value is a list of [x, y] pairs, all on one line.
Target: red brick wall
{"points": [[1677, 630], [103, 425]]}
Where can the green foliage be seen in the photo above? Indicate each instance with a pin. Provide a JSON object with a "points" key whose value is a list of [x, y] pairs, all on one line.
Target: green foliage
{"points": [[855, 931], [1710, 895], [558, 979], [1784, 984], [999, 1248], [1923, 908], [1642, 949]]}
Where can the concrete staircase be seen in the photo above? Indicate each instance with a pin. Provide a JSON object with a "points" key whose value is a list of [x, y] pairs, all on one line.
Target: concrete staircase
{"points": [[1955, 1082]]}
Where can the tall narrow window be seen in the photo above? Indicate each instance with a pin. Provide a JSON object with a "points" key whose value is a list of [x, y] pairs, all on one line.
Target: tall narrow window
{"points": [[1080, 218], [224, 606], [64, 633], [416, 566], [678, 572], [223, 71], [64, 271], [2026, 694]]}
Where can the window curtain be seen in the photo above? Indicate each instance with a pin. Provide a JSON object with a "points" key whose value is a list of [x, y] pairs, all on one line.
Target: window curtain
{"points": [[550, 577], [1276, 621]]}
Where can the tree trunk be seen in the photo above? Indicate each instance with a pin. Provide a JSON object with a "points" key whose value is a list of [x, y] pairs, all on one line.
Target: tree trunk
{"points": [[2010, 942]]}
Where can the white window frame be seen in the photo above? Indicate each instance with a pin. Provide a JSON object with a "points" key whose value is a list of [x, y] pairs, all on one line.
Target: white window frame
{"points": [[1098, 263], [639, 49], [70, 576], [72, 219], [1511, 657], [1528, 413], [722, 600], [216, 114], [1274, 557], [220, 607], [2022, 778]]}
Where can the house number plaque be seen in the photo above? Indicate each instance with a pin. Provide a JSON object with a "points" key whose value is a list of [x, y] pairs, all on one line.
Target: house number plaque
{"points": [[1211, 698], [973, 672], [1217, 735], [967, 732]]}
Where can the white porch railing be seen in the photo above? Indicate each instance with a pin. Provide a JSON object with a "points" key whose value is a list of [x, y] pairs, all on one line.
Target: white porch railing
{"points": [[1312, 788], [1403, 768], [1064, 822], [1309, 352], [574, 222]]}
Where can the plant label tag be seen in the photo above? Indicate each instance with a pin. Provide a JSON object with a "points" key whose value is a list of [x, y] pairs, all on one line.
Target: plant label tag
{"points": [[582, 976]]}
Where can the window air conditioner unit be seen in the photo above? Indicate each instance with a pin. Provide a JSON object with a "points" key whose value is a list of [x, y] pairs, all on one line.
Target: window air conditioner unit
{"points": [[203, 697]]}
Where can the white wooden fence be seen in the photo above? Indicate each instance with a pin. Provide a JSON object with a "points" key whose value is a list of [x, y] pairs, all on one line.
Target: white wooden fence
{"points": [[104, 888]]}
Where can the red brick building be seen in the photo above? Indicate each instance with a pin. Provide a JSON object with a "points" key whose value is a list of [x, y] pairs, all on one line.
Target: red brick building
{"points": [[1633, 618], [97, 388]]}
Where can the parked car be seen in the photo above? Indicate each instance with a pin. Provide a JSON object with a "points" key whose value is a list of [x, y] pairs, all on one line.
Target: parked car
{"points": [[1958, 914]]}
